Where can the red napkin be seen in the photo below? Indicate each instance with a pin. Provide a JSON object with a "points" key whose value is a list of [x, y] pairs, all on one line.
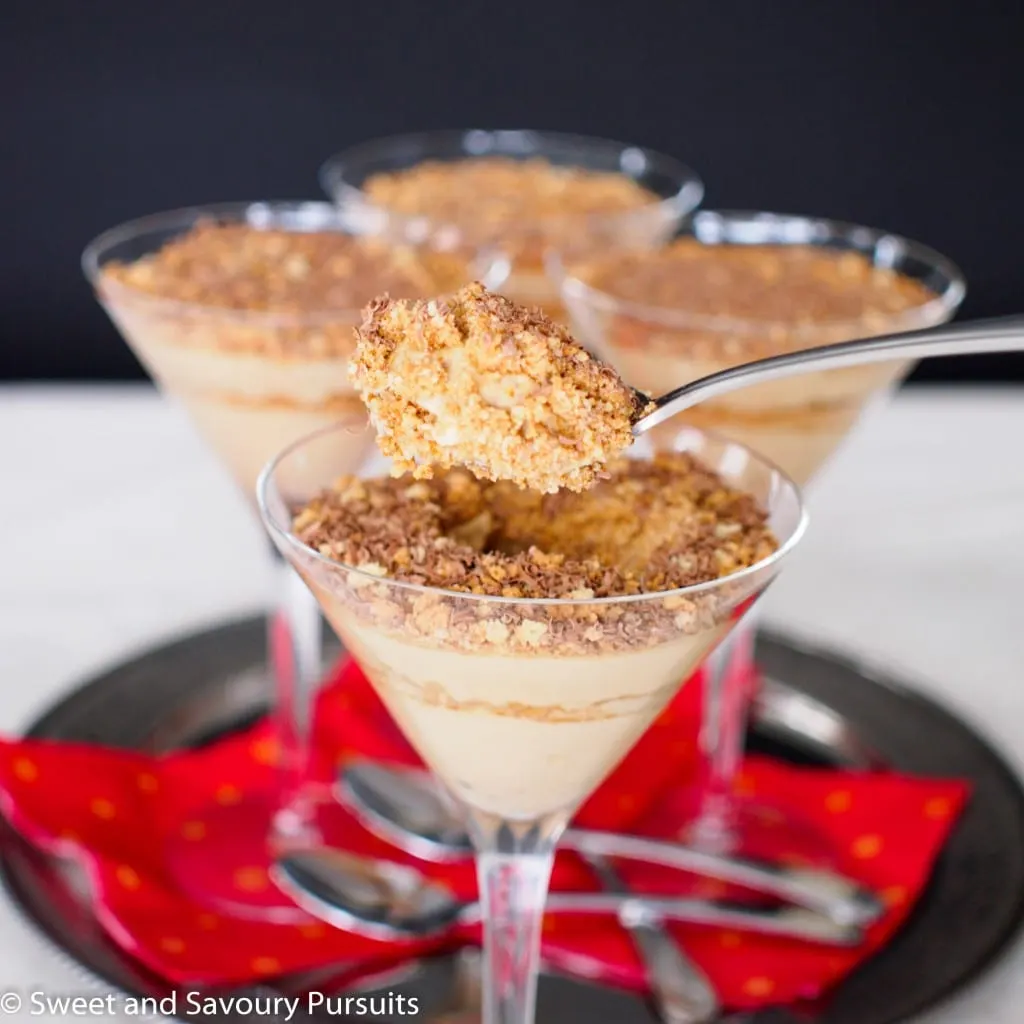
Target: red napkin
{"points": [[113, 810]]}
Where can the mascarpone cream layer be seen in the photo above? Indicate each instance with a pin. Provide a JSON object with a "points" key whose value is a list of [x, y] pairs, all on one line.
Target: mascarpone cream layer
{"points": [[516, 735], [249, 406]]}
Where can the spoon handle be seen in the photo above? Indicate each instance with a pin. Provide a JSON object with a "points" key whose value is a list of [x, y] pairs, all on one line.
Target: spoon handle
{"points": [[790, 922], [822, 891], [784, 922], [1001, 334], [680, 991]]}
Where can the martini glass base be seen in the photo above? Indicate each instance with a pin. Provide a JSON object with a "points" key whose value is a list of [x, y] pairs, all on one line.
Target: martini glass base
{"points": [[726, 816], [760, 829]]}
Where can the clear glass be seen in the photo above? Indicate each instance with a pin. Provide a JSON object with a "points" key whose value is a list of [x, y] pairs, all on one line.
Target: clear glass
{"points": [[524, 240], [252, 383], [522, 707], [798, 423]]}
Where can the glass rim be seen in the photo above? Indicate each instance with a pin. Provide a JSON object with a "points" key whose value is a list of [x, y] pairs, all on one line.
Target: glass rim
{"points": [[322, 215], [815, 232], [336, 171], [281, 533]]}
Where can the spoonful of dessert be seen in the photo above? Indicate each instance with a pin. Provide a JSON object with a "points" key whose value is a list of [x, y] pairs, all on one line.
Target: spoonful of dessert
{"points": [[475, 380], [479, 381]]}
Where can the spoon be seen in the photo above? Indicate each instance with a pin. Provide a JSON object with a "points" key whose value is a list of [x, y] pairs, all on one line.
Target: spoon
{"points": [[403, 807], [384, 900], [1000, 334], [680, 991]]}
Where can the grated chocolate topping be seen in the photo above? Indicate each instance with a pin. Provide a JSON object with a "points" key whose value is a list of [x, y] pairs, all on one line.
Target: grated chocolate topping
{"points": [[652, 526], [317, 279]]}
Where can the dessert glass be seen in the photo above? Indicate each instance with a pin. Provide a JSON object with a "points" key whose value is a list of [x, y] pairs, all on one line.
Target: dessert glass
{"points": [[676, 192], [522, 707], [798, 423], [252, 382]]}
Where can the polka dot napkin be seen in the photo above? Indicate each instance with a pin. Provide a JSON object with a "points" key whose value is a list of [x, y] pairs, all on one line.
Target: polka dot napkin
{"points": [[118, 813]]}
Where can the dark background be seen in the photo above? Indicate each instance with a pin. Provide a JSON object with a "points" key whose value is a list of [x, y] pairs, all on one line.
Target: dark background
{"points": [[905, 115]]}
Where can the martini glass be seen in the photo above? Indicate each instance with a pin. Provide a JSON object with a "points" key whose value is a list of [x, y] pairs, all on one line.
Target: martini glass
{"points": [[252, 382], [496, 220], [522, 707], [798, 423]]}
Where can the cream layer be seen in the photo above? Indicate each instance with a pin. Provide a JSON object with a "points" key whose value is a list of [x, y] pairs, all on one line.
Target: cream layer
{"points": [[249, 406], [518, 735]]}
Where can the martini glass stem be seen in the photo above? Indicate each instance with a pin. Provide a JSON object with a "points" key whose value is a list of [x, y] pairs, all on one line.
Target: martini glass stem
{"points": [[295, 639], [513, 863], [729, 681]]}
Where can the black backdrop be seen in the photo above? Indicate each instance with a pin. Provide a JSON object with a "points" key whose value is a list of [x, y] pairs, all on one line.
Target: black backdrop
{"points": [[907, 115]]}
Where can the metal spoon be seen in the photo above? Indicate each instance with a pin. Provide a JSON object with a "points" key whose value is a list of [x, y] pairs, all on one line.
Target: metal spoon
{"points": [[680, 991], [403, 807], [1001, 334], [385, 900]]}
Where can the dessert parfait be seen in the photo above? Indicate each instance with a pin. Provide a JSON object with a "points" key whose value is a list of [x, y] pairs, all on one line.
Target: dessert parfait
{"points": [[738, 287], [522, 709], [246, 312], [521, 192], [523, 640]]}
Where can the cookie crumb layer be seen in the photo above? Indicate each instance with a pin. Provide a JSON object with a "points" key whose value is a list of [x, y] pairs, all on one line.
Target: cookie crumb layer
{"points": [[750, 301], [303, 289], [523, 205], [652, 526]]}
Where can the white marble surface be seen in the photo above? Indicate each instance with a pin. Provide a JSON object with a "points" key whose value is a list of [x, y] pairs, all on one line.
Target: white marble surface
{"points": [[119, 531]]}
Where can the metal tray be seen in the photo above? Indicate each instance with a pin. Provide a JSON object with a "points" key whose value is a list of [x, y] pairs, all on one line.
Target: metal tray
{"points": [[814, 708]]}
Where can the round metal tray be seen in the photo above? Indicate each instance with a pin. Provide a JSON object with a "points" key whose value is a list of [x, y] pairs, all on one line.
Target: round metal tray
{"points": [[814, 708]]}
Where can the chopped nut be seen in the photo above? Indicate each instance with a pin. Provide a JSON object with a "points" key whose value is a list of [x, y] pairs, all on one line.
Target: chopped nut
{"points": [[530, 632], [433, 618], [495, 631]]}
